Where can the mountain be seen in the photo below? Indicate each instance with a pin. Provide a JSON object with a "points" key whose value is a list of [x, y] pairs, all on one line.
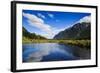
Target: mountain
{"points": [[77, 31], [31, 35]]}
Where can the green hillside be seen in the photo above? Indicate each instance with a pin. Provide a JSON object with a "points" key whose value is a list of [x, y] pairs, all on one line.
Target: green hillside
{"points": [[27, 36]]}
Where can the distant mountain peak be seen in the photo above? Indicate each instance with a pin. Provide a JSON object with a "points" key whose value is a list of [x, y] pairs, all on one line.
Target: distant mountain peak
{"points": [[86, 19]]}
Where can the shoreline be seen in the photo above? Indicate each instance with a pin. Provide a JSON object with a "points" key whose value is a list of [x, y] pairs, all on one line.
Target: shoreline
{"points": [[80, 43]]}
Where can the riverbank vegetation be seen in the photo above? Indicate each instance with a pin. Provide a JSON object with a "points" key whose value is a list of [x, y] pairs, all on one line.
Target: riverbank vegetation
{"points": [[80, 43]]}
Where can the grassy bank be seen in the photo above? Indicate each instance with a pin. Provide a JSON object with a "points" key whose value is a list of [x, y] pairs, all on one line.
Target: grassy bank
{"points": [[81, 43]]}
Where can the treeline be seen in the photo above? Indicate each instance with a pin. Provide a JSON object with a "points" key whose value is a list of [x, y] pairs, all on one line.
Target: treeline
{"points": [[31, 35]]}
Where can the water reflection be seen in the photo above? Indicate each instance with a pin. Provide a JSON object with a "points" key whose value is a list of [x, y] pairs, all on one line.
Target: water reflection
{"points": [[53, 52]]}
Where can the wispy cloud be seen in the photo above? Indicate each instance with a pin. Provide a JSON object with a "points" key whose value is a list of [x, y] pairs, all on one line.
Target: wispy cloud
{"points": [[48, 31], [50, 15], [39, 23], [41, 15]]}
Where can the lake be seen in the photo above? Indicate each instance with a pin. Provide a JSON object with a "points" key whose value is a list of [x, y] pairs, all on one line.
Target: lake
{"points": [[43, 52]]}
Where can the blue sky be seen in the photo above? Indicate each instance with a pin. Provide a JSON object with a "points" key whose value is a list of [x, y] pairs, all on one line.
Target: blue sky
{"points": [[49, 23]]}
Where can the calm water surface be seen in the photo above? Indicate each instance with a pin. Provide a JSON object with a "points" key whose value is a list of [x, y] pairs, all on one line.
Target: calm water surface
{"points": [[53, 52]]}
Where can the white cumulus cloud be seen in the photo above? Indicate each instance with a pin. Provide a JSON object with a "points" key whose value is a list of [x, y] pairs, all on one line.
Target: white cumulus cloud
{"points": [[38, 23]]}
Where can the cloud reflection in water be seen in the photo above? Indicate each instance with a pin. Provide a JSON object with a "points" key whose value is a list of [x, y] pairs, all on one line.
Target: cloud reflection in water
{"points": [[45, 49]]}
